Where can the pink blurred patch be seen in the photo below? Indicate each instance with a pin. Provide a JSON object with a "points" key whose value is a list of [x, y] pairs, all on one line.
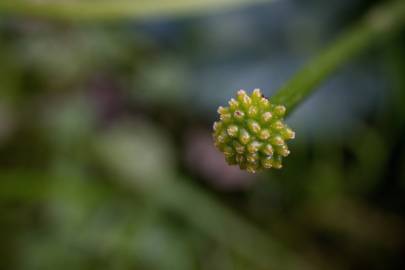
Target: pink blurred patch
{"points": [[105, 94], [203, 158]]}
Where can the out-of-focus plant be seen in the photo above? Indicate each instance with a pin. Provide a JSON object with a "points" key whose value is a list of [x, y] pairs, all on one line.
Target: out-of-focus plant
{"points": [[108, 10]]}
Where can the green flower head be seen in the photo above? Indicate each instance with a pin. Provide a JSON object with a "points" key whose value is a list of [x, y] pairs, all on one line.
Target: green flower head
{"points": [[251, 132]]}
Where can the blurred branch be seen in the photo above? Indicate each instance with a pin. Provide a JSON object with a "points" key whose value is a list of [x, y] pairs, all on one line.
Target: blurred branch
{"points": [[380, 22], [110, 10]]}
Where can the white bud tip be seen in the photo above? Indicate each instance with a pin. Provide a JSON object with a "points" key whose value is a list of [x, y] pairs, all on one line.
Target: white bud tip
{"points": [[257, 93], [278, 141], [267, 116], [280, 110], [264, 134], [241, 92], [220, 109], [238, 114], [233, 103], [232, 130]]}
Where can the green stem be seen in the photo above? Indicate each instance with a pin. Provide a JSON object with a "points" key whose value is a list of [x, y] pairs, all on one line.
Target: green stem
{"points": [[382, 21], [111, 10]]}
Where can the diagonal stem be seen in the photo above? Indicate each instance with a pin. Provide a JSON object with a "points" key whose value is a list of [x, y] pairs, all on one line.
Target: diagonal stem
{"points": [[380, 22]]}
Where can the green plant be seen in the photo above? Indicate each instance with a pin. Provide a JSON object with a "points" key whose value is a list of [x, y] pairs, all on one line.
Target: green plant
{"points": [[251, 132], [231, 133]]}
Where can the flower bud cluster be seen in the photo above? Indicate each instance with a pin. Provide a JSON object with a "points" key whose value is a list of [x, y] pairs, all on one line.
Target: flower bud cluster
{"points": [[251, 132]]}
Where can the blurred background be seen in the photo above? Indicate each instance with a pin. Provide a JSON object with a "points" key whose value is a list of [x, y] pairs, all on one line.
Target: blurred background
{"points": [[106, 156]]}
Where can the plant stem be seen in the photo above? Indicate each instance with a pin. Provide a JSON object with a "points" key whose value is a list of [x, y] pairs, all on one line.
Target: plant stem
{"points": [[112, 10], [381, 21]]}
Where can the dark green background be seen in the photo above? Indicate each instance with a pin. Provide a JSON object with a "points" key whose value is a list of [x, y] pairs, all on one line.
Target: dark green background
{"points": [[107, 162]]}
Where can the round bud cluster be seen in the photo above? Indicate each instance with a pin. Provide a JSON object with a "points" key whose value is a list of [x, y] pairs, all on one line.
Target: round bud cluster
{"points": [[251, 132]]}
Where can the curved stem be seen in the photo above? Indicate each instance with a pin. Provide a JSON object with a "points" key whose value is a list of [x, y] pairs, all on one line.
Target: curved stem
{"points": [[382, 21]]}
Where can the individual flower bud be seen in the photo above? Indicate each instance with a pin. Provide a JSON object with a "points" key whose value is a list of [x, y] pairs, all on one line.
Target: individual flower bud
{"points": [[239, 115], [241, 93], [233, 104], [226, 118], [244, 99], [252, 168], [252, 111], [278, 125], [264, 134], [251, 132], [217, 126], [253, 126], [223, 137], [252, 158], [240, 149], [283, 151], [276, 162], [288, 134], [222, 110], [264, 102], [267, 162], [268, 149], [244, 136], [277, 140], [279, 110], [232, 130], [253, 147], [266, 117], [256, 94]]}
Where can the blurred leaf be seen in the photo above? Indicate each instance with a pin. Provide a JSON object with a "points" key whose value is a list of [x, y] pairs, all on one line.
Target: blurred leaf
{"points": [[105, 9], [163, 81], [138, 153]]}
